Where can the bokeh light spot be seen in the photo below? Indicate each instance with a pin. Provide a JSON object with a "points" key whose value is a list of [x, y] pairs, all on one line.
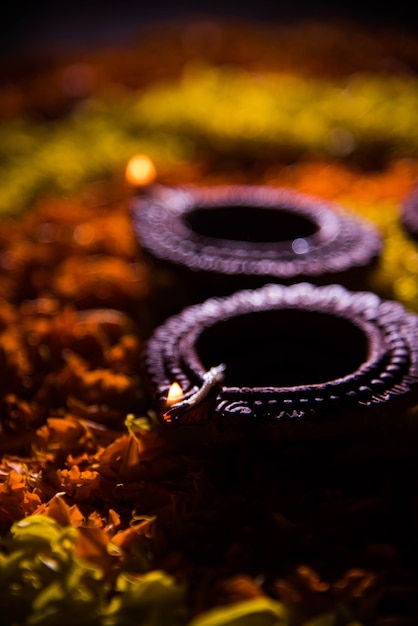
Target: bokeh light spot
{"points": [[140, 171]]}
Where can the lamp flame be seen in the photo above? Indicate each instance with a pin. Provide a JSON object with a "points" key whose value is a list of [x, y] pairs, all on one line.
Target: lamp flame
{"points": [[175, 393], [140, 171]]}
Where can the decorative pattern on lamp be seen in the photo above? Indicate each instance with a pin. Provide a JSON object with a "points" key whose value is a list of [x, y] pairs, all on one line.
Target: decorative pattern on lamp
{"points": [[299, 360]]}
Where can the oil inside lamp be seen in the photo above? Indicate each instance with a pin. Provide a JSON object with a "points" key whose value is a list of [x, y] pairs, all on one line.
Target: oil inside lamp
{"points": [[283, 348], [252, 224]]}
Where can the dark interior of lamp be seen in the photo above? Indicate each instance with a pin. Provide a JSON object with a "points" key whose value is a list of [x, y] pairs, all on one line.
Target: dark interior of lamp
{"points": [[249, 223], [283, 348]]}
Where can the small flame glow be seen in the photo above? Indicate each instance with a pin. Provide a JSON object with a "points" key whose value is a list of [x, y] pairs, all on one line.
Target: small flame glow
{"points": [[140, 171], [175, 393]]}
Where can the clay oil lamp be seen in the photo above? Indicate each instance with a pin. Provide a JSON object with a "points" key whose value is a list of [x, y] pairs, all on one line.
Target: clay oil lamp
{"points": [[225, 238], [285, 362]]}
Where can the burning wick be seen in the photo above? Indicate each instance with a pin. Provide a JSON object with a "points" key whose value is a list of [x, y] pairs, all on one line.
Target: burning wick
{"points": [[210, 379], [140, 171], [175, 394]]}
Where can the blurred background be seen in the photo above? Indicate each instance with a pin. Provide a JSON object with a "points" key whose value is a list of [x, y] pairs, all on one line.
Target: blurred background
{"points": [[320, 97], [27, 26]]}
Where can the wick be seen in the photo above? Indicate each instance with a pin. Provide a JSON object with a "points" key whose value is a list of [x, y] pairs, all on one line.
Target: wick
{"points": [[210, 379]]}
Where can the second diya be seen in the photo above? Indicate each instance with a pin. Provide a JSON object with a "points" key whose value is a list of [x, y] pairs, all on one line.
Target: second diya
{"points": [[220, 239], [285, 362]]}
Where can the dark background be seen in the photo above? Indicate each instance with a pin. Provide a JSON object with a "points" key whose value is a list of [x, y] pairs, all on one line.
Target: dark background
{"points": [[27, 26]]}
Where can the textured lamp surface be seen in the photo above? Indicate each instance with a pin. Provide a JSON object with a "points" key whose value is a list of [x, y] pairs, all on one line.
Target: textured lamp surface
{"points": [[250, 235], [293, 355]]}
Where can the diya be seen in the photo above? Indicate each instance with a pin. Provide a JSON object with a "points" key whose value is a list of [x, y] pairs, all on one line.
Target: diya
{"points": [[225, 238], [286, 361]]}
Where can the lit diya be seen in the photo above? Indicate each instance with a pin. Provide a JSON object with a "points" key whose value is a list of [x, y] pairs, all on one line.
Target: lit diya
{"points": [[300, 360], [230, 237]]}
